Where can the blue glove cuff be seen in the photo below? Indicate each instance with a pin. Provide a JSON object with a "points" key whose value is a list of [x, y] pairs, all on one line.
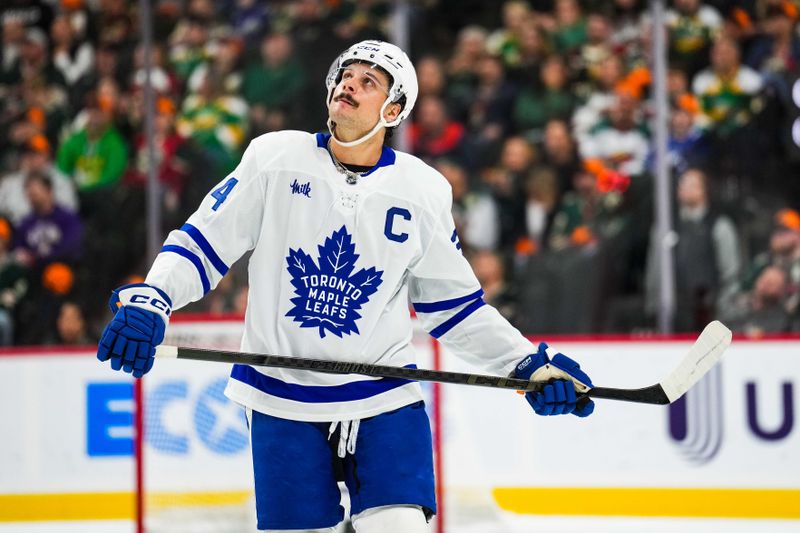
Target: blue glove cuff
{"points": [[144, 296], [528, 366]]}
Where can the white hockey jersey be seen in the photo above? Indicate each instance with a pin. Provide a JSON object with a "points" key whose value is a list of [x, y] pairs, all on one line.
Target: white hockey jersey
{"points": [[332, 270]]}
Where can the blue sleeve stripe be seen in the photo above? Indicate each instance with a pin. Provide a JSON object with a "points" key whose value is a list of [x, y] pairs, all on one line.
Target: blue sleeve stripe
{"points": [[206, 247], [457, 318], [348, 392], [191, 256], [444, 305]]}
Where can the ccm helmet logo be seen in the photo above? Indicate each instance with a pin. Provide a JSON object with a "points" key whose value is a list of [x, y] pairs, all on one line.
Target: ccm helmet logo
{"points": [[161, 305]]}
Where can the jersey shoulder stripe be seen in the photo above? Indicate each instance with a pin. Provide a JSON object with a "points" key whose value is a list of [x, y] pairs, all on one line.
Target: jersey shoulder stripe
{"points": [[456, 319], [348, 392], [198, 237], [192, 257], [444, 305]]}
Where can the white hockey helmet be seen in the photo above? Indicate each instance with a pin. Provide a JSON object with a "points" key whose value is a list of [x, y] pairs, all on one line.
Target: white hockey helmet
{"points": [[391, 59]]}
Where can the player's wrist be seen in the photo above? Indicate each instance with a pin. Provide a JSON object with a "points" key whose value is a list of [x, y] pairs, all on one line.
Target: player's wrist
{"points": [[143, 296]]}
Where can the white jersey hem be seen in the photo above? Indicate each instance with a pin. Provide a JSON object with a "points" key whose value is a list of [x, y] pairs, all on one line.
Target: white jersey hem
{"points": [[250, 397]]}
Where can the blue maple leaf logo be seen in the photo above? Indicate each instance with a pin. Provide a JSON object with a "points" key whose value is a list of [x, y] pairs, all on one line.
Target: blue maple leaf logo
{"points": [[329, 295]]}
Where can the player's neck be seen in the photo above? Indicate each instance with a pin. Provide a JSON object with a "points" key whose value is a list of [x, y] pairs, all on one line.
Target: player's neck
{"points": [[365, 154]]}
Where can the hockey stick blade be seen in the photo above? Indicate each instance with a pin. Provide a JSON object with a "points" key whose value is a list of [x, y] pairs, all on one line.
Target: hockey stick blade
{"points": [[704, 354]]}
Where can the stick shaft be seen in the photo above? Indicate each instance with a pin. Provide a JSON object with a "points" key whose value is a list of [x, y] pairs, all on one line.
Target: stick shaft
{"points": [[341, 367], [705, 353], [650, 395]]}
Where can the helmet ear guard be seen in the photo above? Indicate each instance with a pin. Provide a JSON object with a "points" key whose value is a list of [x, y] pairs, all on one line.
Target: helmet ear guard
{"points": [[395, 63]]}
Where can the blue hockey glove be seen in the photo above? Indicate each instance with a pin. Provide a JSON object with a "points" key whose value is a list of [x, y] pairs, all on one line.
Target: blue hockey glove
{"points": [[558, 397], [141, 313]]}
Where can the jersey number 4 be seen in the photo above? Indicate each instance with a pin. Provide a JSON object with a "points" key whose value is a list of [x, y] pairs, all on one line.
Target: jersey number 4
{"points": [[222, 192]]}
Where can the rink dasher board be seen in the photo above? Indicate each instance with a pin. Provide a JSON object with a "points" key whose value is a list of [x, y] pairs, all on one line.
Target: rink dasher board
{"points": [[492, 443], [727, 450]]}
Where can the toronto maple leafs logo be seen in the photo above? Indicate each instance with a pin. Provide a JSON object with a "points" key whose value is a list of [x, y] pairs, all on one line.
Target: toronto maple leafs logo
{"points": [[329, 295]]}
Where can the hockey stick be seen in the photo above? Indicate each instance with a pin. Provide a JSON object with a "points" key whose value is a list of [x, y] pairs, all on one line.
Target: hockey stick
{"points": [[705, 353]]}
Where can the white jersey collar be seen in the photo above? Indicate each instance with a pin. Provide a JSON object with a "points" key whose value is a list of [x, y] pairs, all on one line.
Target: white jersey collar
{"points": [[387, 158]]}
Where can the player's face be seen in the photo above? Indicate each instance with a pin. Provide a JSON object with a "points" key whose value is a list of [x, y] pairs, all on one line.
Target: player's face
{"points": [[358, 98]]}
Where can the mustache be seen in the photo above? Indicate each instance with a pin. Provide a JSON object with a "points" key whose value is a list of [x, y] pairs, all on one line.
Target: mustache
{"points": [[347, 98]]}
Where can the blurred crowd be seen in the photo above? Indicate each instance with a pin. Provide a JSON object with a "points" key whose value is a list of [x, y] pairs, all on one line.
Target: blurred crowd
{"points": [[538, 112]]}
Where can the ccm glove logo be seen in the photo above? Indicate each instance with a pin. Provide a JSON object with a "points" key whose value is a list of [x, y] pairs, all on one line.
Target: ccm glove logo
{"points": [[144, 299], [143, 296], [524, 364]]}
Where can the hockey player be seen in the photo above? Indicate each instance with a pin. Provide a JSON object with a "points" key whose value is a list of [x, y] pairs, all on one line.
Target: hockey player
{"points": [[344, 232]]}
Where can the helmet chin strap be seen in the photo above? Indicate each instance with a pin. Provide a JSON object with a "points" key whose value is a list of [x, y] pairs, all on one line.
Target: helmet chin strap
{"points": [[363, 138], [380, 125]]}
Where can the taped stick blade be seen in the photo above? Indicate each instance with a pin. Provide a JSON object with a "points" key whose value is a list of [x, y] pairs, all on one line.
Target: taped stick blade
{"points": [[706, 351]]}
